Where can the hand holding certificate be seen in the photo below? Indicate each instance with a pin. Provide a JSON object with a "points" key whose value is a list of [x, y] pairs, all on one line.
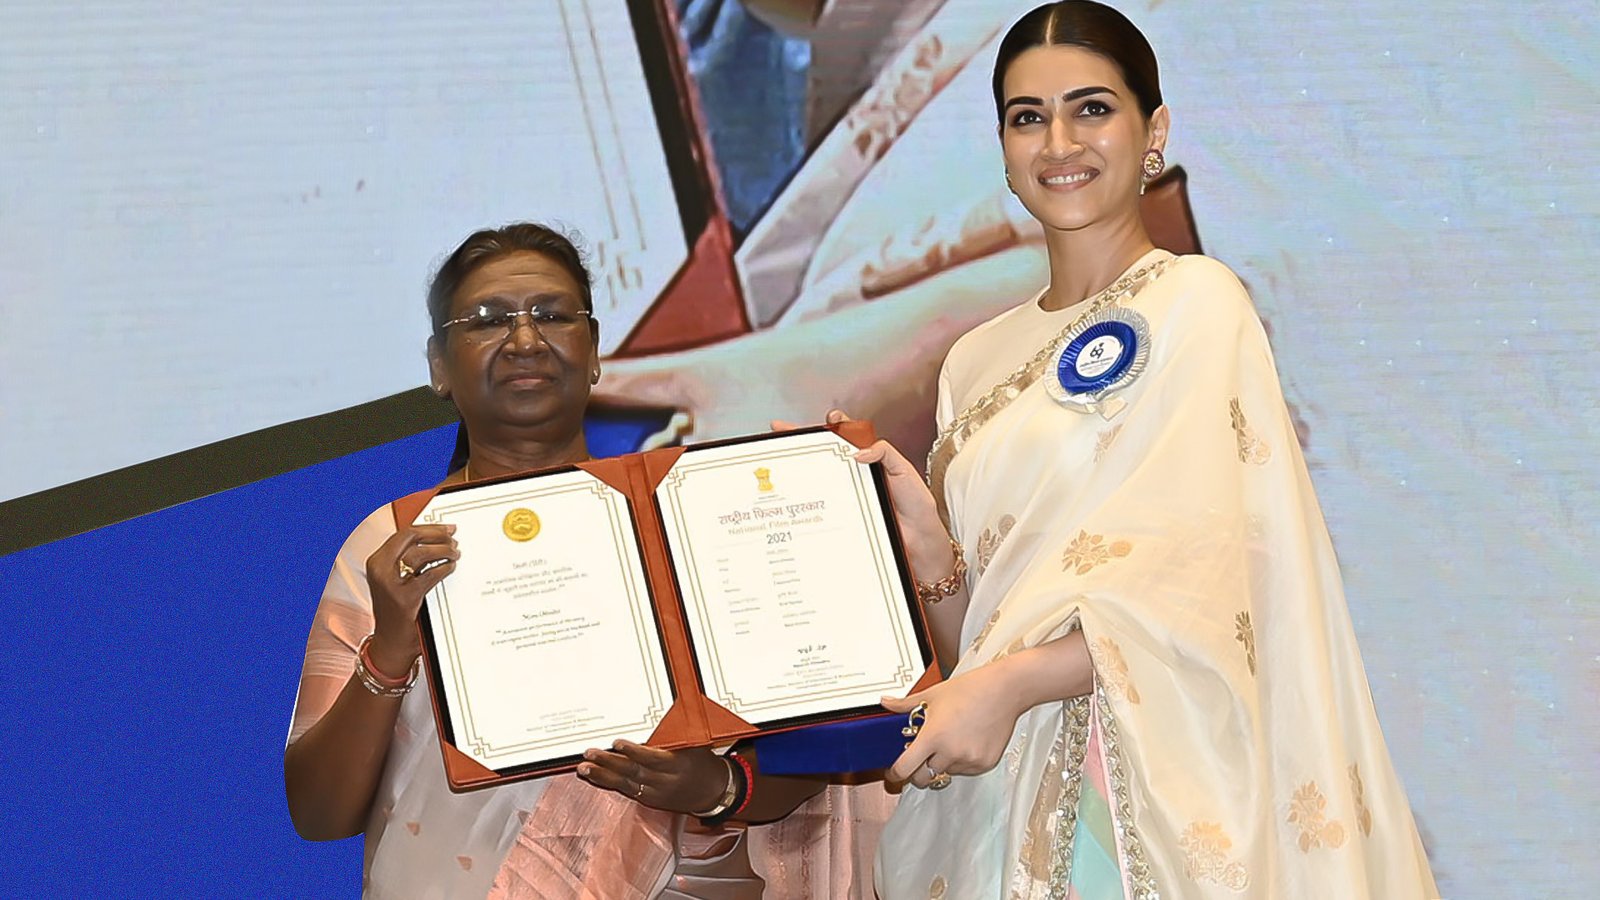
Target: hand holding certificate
{"points": [[680, 597], [550, 591]]}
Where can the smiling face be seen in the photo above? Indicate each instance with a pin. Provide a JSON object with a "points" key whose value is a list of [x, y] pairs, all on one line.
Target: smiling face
{"points": [[1074, 138], [532, 381]]}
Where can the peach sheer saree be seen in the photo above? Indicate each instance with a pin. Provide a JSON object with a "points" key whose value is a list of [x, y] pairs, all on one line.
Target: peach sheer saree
{"points": [[558, 837]]}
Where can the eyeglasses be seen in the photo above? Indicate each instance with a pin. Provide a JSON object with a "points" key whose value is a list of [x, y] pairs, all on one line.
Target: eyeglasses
{"points": [[492, 324]]}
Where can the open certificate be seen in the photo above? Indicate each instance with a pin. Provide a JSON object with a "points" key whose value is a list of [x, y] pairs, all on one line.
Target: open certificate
{"points": [[543, 637], [788, 573], [680, 597]]}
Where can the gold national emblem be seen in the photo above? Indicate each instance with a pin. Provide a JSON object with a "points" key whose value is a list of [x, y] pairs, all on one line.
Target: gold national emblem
{"points": [[521, 524], [764, 479]]}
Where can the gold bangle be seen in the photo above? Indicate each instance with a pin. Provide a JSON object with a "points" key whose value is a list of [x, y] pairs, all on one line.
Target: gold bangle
{"points": [[948, 586]]}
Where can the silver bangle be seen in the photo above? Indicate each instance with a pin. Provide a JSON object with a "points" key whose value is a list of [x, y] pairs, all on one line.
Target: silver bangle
{"points": [[371, 681], [729, 793]]}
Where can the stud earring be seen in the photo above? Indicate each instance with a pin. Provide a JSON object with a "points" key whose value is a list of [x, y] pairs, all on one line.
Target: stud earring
{"points": [[1009, 186], [1154, 164]]}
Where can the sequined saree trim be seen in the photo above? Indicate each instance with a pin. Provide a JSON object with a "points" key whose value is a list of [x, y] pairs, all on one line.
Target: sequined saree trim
{"points": [[1045, 860], [1034, 856], [974, 417], [1140, 881]]}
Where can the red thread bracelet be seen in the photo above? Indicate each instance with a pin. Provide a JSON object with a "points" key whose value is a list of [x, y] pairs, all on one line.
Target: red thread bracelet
{"points": [[749, 782]]}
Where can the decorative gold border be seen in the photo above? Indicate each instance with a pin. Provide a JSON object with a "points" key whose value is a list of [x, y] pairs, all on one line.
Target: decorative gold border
{"points": [[1135, 864], [1075, 726]]}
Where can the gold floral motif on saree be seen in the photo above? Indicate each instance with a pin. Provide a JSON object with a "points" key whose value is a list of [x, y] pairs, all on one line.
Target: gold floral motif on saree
{"points": [[983, 634], [1014, 754], [937, 887], [1090, 550], [1103, 440], [1363, 815], [974, 417], [1112, 669], [1309, 811], [1135, 864], [1205, 856], [1245, 634], [1252, 449], [989, 542]]}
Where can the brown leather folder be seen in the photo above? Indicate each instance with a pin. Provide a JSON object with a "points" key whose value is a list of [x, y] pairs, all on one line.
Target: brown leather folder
{"points": [[693, 720]]}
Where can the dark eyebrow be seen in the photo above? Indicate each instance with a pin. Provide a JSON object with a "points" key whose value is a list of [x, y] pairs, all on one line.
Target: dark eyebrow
{"points": [[505, 302], [1068, 97]]}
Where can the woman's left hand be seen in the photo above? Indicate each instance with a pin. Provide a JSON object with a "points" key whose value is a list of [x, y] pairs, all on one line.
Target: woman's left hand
{"points": [[682, 781], [969, 721]]}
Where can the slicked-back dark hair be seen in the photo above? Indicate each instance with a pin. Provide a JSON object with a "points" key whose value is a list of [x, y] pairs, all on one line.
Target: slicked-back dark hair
{"points": [[481, 248], [1094, 27], [490, 244]]}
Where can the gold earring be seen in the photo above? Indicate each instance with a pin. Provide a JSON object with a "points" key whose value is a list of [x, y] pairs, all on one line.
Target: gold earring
{"points": [[1009, 186], [1154, 164]]}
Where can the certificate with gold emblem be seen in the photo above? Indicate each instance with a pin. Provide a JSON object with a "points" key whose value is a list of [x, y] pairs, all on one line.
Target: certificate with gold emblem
{"points": [[549, 594], [679, 597], [788, 573]]}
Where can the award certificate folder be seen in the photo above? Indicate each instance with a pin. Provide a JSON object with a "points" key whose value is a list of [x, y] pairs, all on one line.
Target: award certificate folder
{"points": [[683, 597]]}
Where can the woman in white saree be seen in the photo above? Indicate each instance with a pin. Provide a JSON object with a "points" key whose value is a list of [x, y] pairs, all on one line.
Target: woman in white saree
{"points": [[1156, 690]]}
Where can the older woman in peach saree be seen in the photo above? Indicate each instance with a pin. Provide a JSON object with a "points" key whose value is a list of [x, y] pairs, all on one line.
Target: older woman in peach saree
{"points": [[515, 348]]}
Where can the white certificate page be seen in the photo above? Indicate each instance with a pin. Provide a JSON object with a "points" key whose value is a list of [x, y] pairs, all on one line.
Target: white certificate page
{"points": [[793, 598], [544, 633]]}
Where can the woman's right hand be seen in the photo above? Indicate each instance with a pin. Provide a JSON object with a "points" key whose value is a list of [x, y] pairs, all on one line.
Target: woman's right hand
{"points": [[396, 600], [926, 541]]}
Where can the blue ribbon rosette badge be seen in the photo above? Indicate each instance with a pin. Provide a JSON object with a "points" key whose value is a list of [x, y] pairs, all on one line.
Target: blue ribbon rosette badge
{"points": [[1100, 356]]}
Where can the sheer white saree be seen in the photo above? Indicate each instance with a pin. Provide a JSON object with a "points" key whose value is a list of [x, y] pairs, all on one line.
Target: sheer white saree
{"points": [[1182, 536]]}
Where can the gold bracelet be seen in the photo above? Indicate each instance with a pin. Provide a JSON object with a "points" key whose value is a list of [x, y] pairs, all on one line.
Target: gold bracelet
{"points": [[948, 586]]}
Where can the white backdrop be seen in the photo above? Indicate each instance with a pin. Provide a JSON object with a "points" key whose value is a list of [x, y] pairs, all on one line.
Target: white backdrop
{"points": [[217, 219]]}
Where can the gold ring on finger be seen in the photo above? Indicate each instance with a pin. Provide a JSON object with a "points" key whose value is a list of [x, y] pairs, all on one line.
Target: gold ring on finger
{"points": [[405, 571]]}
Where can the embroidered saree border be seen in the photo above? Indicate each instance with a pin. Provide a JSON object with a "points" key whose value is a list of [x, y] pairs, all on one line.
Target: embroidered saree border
{"points": [[1141, 881], [981, 411]]}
